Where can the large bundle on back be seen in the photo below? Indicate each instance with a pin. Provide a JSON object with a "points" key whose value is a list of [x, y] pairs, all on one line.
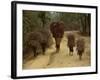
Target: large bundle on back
{"points": [[46, 37], [33, 40], [37, 41], [46, 41], [71, 42], [80, 47], [57, 30]]}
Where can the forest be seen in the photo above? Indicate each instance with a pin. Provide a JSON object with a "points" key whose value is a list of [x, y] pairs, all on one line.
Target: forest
{"points": [[33, 20], [41, 20]]}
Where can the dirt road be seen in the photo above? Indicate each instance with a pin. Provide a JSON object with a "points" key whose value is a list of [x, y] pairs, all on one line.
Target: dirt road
{"points": [[61, 59]]}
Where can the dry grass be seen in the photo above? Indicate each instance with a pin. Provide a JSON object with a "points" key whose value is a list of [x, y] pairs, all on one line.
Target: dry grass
{"points": [[61, 59]]}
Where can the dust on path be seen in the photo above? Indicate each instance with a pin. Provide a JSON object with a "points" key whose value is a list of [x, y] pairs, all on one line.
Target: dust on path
{"points": [[62, 59]]}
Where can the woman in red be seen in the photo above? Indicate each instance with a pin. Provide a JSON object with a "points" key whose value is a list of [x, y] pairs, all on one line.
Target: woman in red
{"points": [[57, 30]]}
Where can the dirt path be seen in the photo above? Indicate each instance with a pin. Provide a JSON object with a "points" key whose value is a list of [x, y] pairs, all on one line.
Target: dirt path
{"points": [[61, 59]]}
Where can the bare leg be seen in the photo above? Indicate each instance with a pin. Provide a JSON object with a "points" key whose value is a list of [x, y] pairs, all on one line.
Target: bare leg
{"points": [[80, 55], [58, 41], [71, 51], [34, 50], [57, 48], [43, 48]]}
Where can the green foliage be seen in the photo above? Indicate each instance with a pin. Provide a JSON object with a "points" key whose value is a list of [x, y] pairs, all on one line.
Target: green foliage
{"points": [[33, 20], [85, 23], [76, 21], [44, 17]]}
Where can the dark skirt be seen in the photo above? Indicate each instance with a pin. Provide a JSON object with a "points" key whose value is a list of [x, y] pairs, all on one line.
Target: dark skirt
{"points": [[71, 49], [80, 52]]}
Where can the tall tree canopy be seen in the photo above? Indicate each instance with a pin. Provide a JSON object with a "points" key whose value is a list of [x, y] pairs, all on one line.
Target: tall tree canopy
{"points": [[33, 20]]}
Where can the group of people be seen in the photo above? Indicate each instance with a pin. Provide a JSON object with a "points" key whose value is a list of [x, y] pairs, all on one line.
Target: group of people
{"points": [[40, 40], [57, 30]]}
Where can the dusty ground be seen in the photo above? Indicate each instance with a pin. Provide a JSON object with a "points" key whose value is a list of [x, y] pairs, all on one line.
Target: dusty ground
{"points": [[61, 59]]}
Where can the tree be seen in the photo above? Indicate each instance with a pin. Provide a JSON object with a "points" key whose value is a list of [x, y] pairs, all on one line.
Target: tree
{"points": [[44, 17], [85, 23]]}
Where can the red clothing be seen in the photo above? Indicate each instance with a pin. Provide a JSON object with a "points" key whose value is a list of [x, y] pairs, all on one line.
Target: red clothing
{"points": [[57, 29], [71, 40]]}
